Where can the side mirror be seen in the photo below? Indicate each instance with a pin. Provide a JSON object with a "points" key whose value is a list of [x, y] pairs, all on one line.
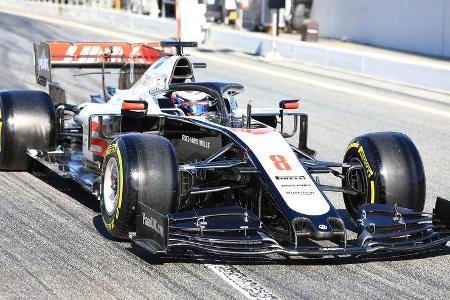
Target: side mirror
{"points": [[134, 109], [290, 104], [287, 105]]}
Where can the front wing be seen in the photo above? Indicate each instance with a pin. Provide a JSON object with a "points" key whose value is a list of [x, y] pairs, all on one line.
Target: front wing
{"points": [[236, 231]]}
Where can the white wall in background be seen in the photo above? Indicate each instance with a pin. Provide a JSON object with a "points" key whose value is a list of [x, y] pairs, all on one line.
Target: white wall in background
{"points": [[421, 26]]}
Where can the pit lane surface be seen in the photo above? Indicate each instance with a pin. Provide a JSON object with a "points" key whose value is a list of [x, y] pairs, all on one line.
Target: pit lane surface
{"points": [[53, 243]]}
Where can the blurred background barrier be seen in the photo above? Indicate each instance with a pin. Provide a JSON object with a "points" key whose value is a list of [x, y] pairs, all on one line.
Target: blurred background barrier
{"points": [[419, 26], [389, 65], [415, 26], [146, 7], [253, 15]]}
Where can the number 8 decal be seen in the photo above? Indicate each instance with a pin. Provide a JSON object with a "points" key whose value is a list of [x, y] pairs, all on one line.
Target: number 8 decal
{"points": [[280, 162]]}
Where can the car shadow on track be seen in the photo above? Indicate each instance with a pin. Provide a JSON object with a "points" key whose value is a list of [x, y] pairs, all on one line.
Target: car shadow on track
{"points": [[73, 190], [68, 187], [97, 221]]}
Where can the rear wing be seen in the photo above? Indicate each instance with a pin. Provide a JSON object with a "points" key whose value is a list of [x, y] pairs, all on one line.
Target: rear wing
{"points": [[50, 55]]}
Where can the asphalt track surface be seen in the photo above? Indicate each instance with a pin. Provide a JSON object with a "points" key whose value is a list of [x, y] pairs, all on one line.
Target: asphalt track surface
{"points": [[53, 244]]}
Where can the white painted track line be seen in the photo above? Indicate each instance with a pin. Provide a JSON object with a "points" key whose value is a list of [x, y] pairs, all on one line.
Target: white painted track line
{"points": [[241, 282]]}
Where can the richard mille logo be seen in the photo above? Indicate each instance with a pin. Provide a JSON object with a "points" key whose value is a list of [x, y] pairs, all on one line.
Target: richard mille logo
{"points": [[195, 141]]}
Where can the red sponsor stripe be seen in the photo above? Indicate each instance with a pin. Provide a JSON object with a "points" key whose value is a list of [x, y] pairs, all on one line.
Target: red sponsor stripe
{"points": [[101, 143], [253, 131], [94, 126]]}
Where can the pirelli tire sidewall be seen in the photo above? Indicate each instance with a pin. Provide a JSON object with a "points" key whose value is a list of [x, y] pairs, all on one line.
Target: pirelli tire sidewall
{"points": [[393, 171], [27, 121], [148, 174], [122, 221]]}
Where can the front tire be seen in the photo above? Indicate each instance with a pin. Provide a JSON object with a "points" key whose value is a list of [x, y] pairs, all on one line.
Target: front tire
{"points": [[390, 171], [137, 168]]}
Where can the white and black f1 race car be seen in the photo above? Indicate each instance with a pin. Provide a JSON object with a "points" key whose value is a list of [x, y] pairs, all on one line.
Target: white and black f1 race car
{"points": [[177, 165]]}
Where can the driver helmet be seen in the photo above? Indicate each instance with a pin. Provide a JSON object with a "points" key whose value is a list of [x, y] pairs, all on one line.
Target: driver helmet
{"points": [[192, 103]]}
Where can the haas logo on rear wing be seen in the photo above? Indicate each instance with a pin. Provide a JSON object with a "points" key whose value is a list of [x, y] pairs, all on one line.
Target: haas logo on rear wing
{"points": [[48, 55]]}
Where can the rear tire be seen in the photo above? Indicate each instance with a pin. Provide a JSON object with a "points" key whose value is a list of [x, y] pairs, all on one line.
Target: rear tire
{"points": [[137, 168], [27, 121], [392, 172]]}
